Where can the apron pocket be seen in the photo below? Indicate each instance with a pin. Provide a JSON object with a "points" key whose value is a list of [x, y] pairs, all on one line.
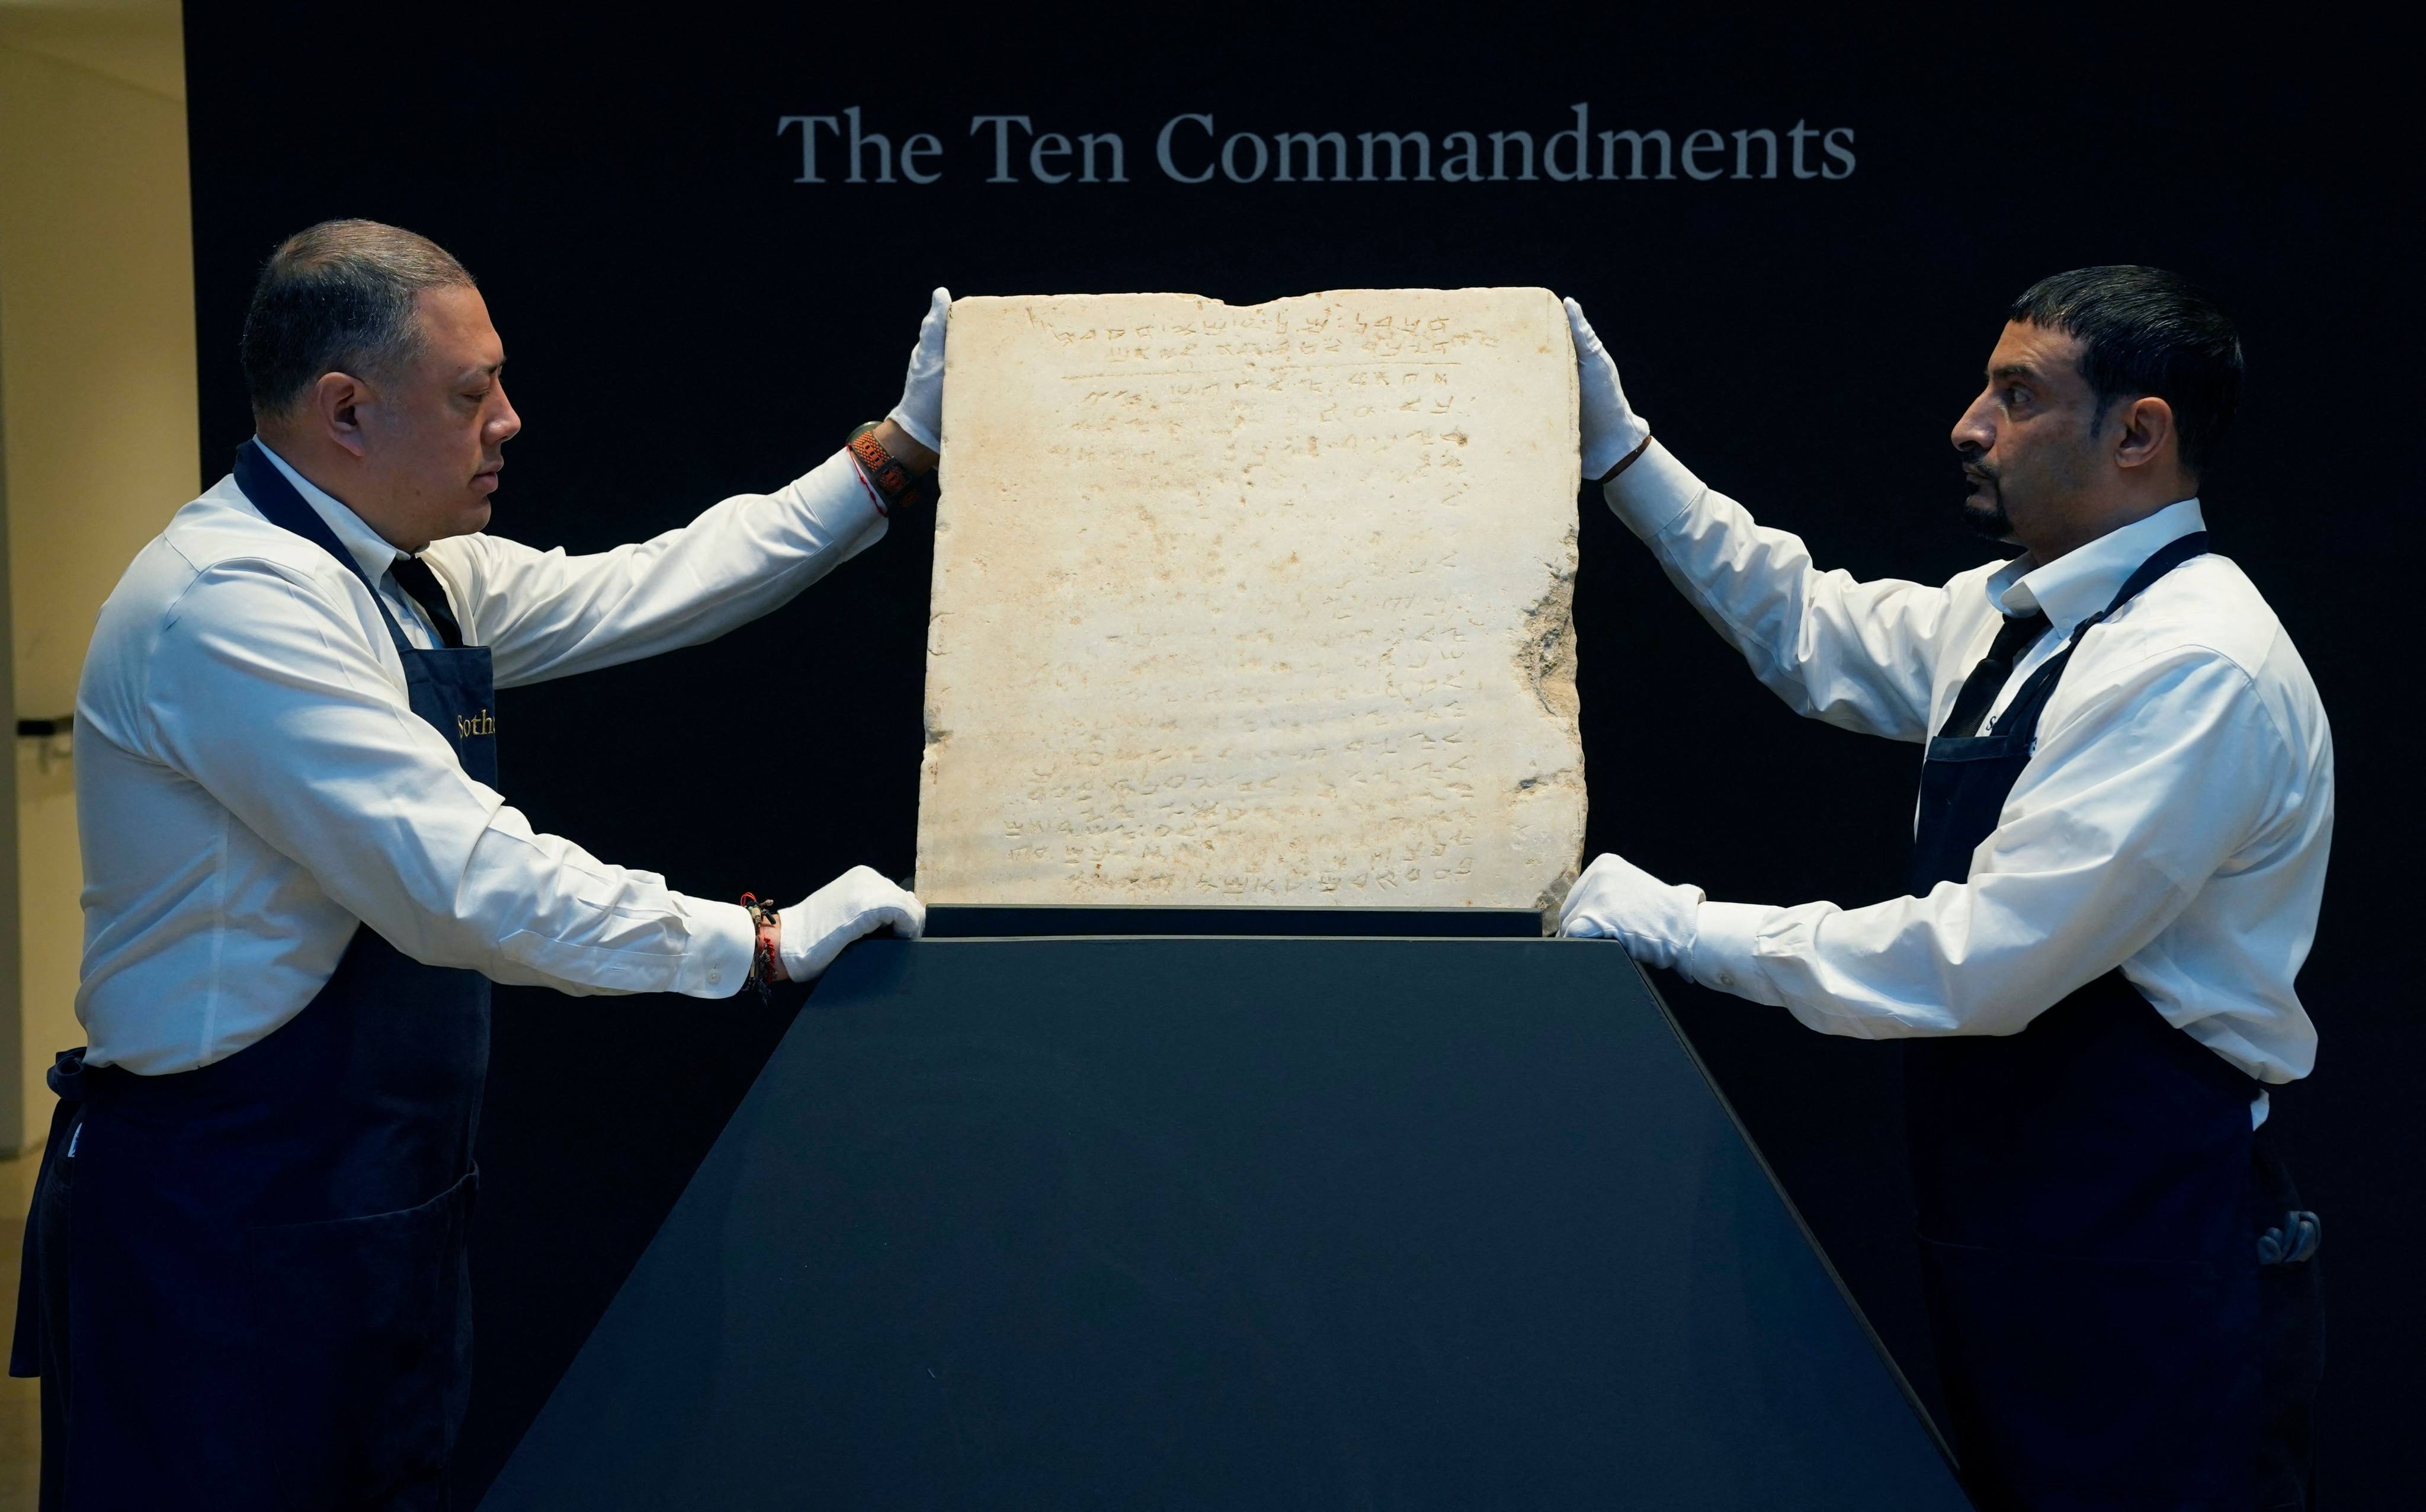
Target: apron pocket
{"points": [[363, 1335], [2104, 1382]]}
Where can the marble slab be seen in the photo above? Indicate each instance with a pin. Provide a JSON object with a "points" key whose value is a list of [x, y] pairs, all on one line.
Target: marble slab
{"points": [[1262, 604]]}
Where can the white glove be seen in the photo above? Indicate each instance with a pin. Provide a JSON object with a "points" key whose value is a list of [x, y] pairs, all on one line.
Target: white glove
{"points": [[1614, 899], [1612, 429], [860, 901], [921, 410]]}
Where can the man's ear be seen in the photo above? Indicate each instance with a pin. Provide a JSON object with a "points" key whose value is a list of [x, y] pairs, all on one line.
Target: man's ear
{"points": [[334, 405], [2144, 434]]}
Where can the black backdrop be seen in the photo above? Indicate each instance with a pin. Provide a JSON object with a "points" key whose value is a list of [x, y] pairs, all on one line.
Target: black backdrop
{"points": [[687, 321]]}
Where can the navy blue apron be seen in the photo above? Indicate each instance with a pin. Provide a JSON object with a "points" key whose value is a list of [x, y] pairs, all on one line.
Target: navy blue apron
{"points": [[246, 1283], [2086, 1208]]}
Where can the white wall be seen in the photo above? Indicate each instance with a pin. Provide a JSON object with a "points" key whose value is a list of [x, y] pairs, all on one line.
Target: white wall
{"points": [[97, 430]]}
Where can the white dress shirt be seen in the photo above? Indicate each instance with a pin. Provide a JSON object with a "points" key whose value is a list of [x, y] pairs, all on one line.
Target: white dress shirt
{"points": [[2173, 820], [252, 782]]}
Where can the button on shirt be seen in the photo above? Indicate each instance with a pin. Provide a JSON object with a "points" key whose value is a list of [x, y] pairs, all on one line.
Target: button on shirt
{"points": [[2173, 820], [252, 784]]}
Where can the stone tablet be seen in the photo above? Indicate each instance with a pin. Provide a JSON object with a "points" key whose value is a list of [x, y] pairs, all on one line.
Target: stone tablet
{"points": [[1262, 606]]}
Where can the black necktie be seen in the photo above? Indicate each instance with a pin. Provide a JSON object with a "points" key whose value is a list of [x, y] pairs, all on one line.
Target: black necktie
{"points": [[413, 576], [1980, 690]]}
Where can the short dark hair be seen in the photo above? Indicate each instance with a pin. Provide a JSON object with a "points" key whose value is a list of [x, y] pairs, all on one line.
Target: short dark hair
{"points": [[2143, 331], [338, 297]]}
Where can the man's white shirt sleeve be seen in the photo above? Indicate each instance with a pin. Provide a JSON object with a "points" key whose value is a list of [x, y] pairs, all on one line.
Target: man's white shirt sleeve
{"points": [[1853, 654], [252, 779], [544, 614], [262, 690], [2174, 820]]}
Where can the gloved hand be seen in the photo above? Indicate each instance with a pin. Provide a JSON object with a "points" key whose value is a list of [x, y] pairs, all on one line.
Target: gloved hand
{"points": [[1616, 900], [921, 410], [860, 901], [1612, 429]]}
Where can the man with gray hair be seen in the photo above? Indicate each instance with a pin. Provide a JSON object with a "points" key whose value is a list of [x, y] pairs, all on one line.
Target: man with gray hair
{"points": [[246, 1274]]}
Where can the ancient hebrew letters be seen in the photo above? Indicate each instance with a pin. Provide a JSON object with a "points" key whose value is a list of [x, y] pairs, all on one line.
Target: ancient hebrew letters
{"points": [[1264, 605]]}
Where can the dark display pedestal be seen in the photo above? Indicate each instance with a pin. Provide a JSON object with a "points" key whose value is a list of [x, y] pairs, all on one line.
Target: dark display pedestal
{"points": [[1230, 1222]]}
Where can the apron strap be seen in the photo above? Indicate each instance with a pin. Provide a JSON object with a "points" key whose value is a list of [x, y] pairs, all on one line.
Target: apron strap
{"points": [[1957, 812], [2031, 700], [2164, 560], [282, 506]]}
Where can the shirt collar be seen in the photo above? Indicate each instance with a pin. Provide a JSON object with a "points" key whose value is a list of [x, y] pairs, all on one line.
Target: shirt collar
{"points": [[371, 551], [2086, 579]]}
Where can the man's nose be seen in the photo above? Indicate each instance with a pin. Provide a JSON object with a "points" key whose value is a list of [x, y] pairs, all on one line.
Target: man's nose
{"points": [[506, 424], [1975, 431]]}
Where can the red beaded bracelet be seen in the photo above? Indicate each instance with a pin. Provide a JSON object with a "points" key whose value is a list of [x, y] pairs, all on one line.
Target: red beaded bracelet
{"points": [[766, 960], [888, 478]]}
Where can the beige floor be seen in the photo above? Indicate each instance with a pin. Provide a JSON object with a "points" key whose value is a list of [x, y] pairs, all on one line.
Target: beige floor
{"points": [[21, 1419]]}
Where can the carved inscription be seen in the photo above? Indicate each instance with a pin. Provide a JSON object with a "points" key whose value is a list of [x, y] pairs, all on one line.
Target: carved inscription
{"points": [[1265, 605]]}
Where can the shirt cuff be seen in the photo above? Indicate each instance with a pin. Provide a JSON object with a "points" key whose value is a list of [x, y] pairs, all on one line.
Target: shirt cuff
{"points": [[723, 939], [844, 507], [1725, 954], [1653, 493]]}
